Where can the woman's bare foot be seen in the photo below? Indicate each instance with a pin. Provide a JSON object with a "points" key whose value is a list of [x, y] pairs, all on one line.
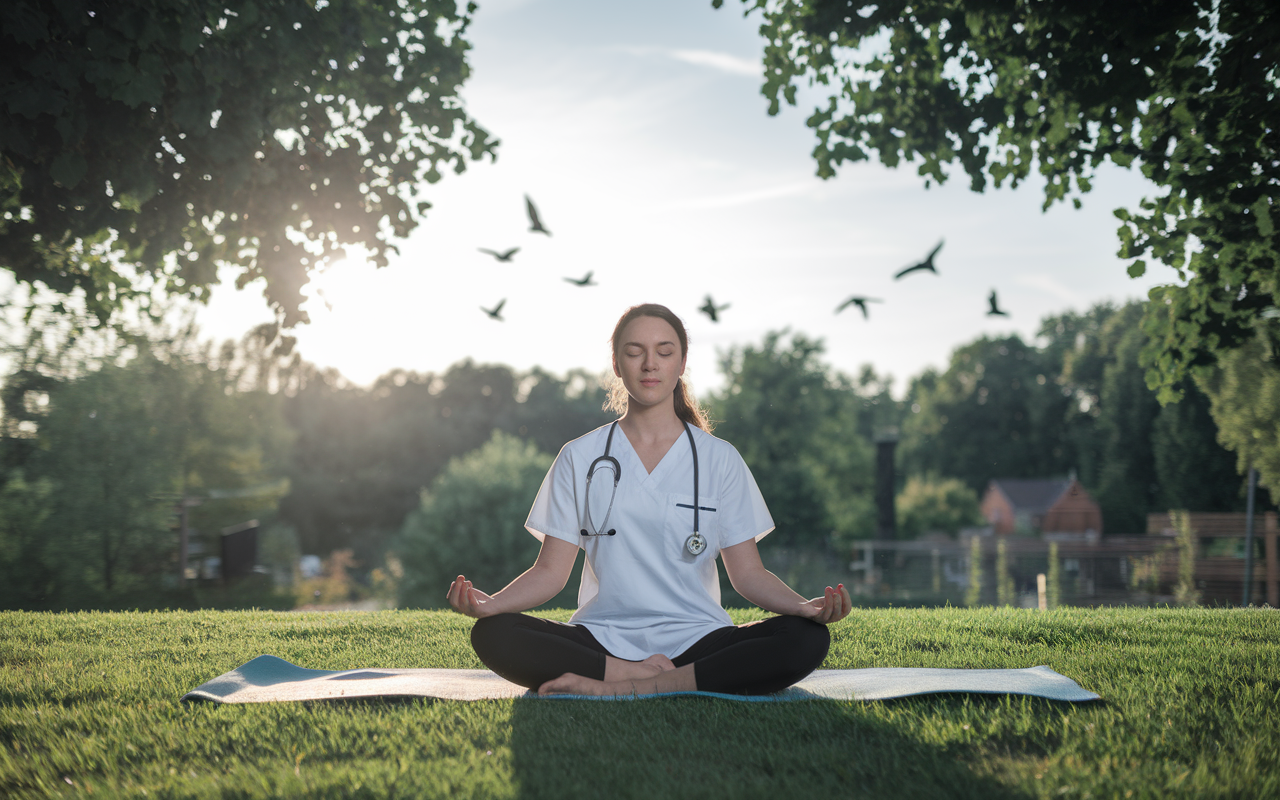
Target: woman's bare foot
{"points": [[616, 669], [679, 679], [569, 683]]}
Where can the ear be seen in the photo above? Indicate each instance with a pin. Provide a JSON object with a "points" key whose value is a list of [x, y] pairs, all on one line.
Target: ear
{"points": [[615, 366]]}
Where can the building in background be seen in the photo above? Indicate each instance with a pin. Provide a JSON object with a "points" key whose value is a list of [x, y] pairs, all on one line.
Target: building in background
{"points": [[1041, 505]]}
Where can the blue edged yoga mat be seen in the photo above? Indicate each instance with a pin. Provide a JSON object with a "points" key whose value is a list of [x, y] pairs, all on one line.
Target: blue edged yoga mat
{"points": [[267, 679]]}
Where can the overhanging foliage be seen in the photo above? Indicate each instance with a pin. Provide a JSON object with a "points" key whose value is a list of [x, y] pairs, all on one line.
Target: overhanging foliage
{"points": [[167, 137], [1185, 89]]}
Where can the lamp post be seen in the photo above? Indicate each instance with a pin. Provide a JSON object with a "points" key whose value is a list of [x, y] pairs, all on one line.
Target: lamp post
{"points": [[1248, 538]]}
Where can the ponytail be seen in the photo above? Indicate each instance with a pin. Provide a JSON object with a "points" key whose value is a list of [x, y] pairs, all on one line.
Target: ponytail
{"points": [[687, 408]]}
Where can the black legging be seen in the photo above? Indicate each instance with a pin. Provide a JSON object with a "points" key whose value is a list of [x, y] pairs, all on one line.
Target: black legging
{"points": [[756, 658]]}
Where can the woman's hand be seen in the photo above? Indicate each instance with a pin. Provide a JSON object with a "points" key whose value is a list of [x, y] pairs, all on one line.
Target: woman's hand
{"points": [[833, 606], [466, 599]]}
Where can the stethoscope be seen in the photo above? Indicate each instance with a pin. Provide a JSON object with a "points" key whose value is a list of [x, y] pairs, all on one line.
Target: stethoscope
{"points": [[695, 544]]}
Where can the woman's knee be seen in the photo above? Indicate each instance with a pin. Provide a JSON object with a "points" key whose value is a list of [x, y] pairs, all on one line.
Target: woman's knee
{"points": [[489, 633], [807, 642]]}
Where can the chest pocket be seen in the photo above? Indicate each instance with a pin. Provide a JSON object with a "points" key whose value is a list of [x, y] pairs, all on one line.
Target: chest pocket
{"points": [[678, 527]]}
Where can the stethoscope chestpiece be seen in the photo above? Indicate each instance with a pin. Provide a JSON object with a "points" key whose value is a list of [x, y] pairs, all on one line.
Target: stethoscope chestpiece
{"points": [[695, 544]]}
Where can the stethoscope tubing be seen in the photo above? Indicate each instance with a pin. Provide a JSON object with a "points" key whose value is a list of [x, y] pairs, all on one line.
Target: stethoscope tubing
{"points": [[617, 475], [695, 544]]}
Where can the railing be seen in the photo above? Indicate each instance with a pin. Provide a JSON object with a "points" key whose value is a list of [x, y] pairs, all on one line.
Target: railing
{"points": [[1089, 570]]}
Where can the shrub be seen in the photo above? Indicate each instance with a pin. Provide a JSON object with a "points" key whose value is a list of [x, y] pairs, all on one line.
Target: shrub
{"points": [[471, 521]]}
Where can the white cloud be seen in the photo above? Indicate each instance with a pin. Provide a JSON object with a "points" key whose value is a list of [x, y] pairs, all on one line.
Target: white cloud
{"points": [[734, 65], [720, 61], [1052, 286], [743, 198]]}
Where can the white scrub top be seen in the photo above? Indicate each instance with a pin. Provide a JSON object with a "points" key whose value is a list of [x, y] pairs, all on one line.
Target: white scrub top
{"points": [[642, 593]]}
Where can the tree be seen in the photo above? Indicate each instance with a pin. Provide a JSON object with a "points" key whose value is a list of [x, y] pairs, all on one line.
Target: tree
{"points": [[1126, 482], [796, 425], [996, 412], [29, 561], [936, 506], [1244, 391], [363, 456], [1133, 454], [471, 520], [1184, 89], [166, 137], [109, 445]]}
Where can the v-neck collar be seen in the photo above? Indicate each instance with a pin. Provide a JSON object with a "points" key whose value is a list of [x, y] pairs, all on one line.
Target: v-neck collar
{"points": [[649, 479]]}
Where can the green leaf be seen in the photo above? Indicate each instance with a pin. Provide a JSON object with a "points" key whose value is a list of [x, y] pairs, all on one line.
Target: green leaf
{"points": [[1137, 269], [1262, 216], [68, 169]]}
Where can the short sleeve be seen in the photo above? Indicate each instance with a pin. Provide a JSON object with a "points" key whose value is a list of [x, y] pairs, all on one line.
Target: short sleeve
{"points": [[555, 509], [743, 513]]}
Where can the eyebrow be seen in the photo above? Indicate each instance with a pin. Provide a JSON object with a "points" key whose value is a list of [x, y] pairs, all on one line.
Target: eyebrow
{"points": [[660, 344]]}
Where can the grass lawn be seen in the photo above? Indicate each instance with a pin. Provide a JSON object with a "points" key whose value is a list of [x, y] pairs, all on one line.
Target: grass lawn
{"points": [[89, 707]]}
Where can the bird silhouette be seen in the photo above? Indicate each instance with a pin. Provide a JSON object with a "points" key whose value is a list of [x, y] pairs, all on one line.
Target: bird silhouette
{"points": [[585, 280], [535, 224], [995, 309], [712, 310], [860, 302], [496, 311], [504, 257], [926, 264]]}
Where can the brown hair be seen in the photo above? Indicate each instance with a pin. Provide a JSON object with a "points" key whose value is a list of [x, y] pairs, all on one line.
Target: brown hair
{"points": [[686, 405]]}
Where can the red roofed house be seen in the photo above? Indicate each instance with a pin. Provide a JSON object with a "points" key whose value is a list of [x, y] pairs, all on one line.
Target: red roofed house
{"points": [[1013, 505]]}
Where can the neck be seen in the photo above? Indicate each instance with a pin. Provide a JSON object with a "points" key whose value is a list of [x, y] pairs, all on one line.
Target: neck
{"points": [[651, 423]]}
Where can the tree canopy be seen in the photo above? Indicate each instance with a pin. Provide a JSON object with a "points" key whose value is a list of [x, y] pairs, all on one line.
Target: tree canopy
{"points": [[1185, 89], [471, 520], [1245, 392], [144, 143], [101, 453], [796, 423]]}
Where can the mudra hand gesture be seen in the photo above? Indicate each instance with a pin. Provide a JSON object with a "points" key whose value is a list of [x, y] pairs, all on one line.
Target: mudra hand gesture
{"points": [[833, 606], [466, 599]]}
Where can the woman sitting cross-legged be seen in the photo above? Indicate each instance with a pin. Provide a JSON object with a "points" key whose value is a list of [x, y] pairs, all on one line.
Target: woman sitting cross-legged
{"points": [[653, 499]]}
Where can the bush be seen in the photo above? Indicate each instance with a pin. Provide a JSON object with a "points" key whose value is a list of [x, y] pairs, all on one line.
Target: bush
{"points": [[471, 521], [933, 505]]}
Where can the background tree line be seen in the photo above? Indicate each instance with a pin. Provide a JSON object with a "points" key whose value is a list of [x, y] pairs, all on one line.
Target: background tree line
{"points": [[102, 436]]}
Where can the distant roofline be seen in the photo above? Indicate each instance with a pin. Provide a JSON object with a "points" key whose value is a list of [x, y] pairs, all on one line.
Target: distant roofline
{"points": [[1003, 485]]}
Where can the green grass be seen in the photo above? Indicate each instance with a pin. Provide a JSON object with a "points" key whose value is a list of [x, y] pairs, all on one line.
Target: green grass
{"points": [[89, 707]]}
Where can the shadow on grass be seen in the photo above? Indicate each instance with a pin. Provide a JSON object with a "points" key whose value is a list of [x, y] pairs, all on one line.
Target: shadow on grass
{"points": [[701, 747]]}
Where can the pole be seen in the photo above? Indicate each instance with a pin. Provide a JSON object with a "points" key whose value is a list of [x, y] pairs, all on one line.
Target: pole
{"points": [[886, 523], [182, 541], [1248, 538]]}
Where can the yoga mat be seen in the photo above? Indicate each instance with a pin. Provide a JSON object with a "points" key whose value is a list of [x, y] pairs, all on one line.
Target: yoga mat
{"points": [[267, 679]]}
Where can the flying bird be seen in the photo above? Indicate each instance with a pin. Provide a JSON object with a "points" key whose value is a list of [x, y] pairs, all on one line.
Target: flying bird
{"points": [[995, 309], [535, 224], [860, 302], [584, 280], [712, 310], [926, 264], [496, 311], [504, 257]]}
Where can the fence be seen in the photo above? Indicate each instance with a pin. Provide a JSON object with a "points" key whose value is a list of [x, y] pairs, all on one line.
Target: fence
{"points": [[1208, 567]]}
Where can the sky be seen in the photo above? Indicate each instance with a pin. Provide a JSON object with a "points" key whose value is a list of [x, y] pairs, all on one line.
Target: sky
{"points": [[640, 132]]}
